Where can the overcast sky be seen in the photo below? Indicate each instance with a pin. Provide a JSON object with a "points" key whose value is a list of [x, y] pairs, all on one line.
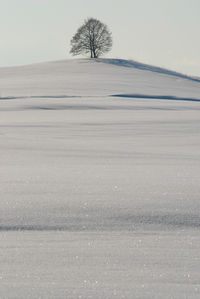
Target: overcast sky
{"points": [[160, 32]]}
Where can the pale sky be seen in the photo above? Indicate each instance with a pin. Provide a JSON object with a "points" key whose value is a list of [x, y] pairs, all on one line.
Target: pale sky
{"points": [[165, 33]]}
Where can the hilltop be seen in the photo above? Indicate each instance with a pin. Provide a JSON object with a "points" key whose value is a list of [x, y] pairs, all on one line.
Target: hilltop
{"points": [[96, 77]]}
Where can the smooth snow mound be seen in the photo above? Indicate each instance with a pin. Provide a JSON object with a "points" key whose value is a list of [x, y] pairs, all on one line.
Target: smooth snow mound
{"points": [[96, 77]]}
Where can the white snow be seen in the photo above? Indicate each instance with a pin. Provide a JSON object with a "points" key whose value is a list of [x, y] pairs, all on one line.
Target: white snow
{"points": [[100, 77], [99, 194]]}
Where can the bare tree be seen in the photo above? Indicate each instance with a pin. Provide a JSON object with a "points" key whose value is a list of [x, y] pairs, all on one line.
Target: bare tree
{"points": [[92, 37]]}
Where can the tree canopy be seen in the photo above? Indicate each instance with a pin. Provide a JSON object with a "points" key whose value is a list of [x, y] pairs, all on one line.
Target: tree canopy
{"points": [[92, 37]]}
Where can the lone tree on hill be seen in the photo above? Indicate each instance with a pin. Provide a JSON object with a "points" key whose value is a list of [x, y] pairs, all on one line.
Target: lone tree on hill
{"points": [[92, 37]]}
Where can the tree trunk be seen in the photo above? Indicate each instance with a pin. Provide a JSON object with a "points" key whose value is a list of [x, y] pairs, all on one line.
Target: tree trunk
{"points": [[94, 53]]}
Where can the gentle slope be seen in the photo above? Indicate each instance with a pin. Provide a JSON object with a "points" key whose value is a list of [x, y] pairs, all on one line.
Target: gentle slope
{"points": [[100, 77]]}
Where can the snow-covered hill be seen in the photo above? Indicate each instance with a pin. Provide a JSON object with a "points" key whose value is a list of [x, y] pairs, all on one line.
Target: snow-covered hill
{"points": [[99, 77], [99, 194]]}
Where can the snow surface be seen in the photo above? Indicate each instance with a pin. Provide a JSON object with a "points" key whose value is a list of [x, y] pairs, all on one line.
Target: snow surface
{"points": [[99, 194], [98, 77]]}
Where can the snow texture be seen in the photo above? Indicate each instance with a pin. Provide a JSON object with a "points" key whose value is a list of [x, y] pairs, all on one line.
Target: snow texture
{"points": [[99, 181]]}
